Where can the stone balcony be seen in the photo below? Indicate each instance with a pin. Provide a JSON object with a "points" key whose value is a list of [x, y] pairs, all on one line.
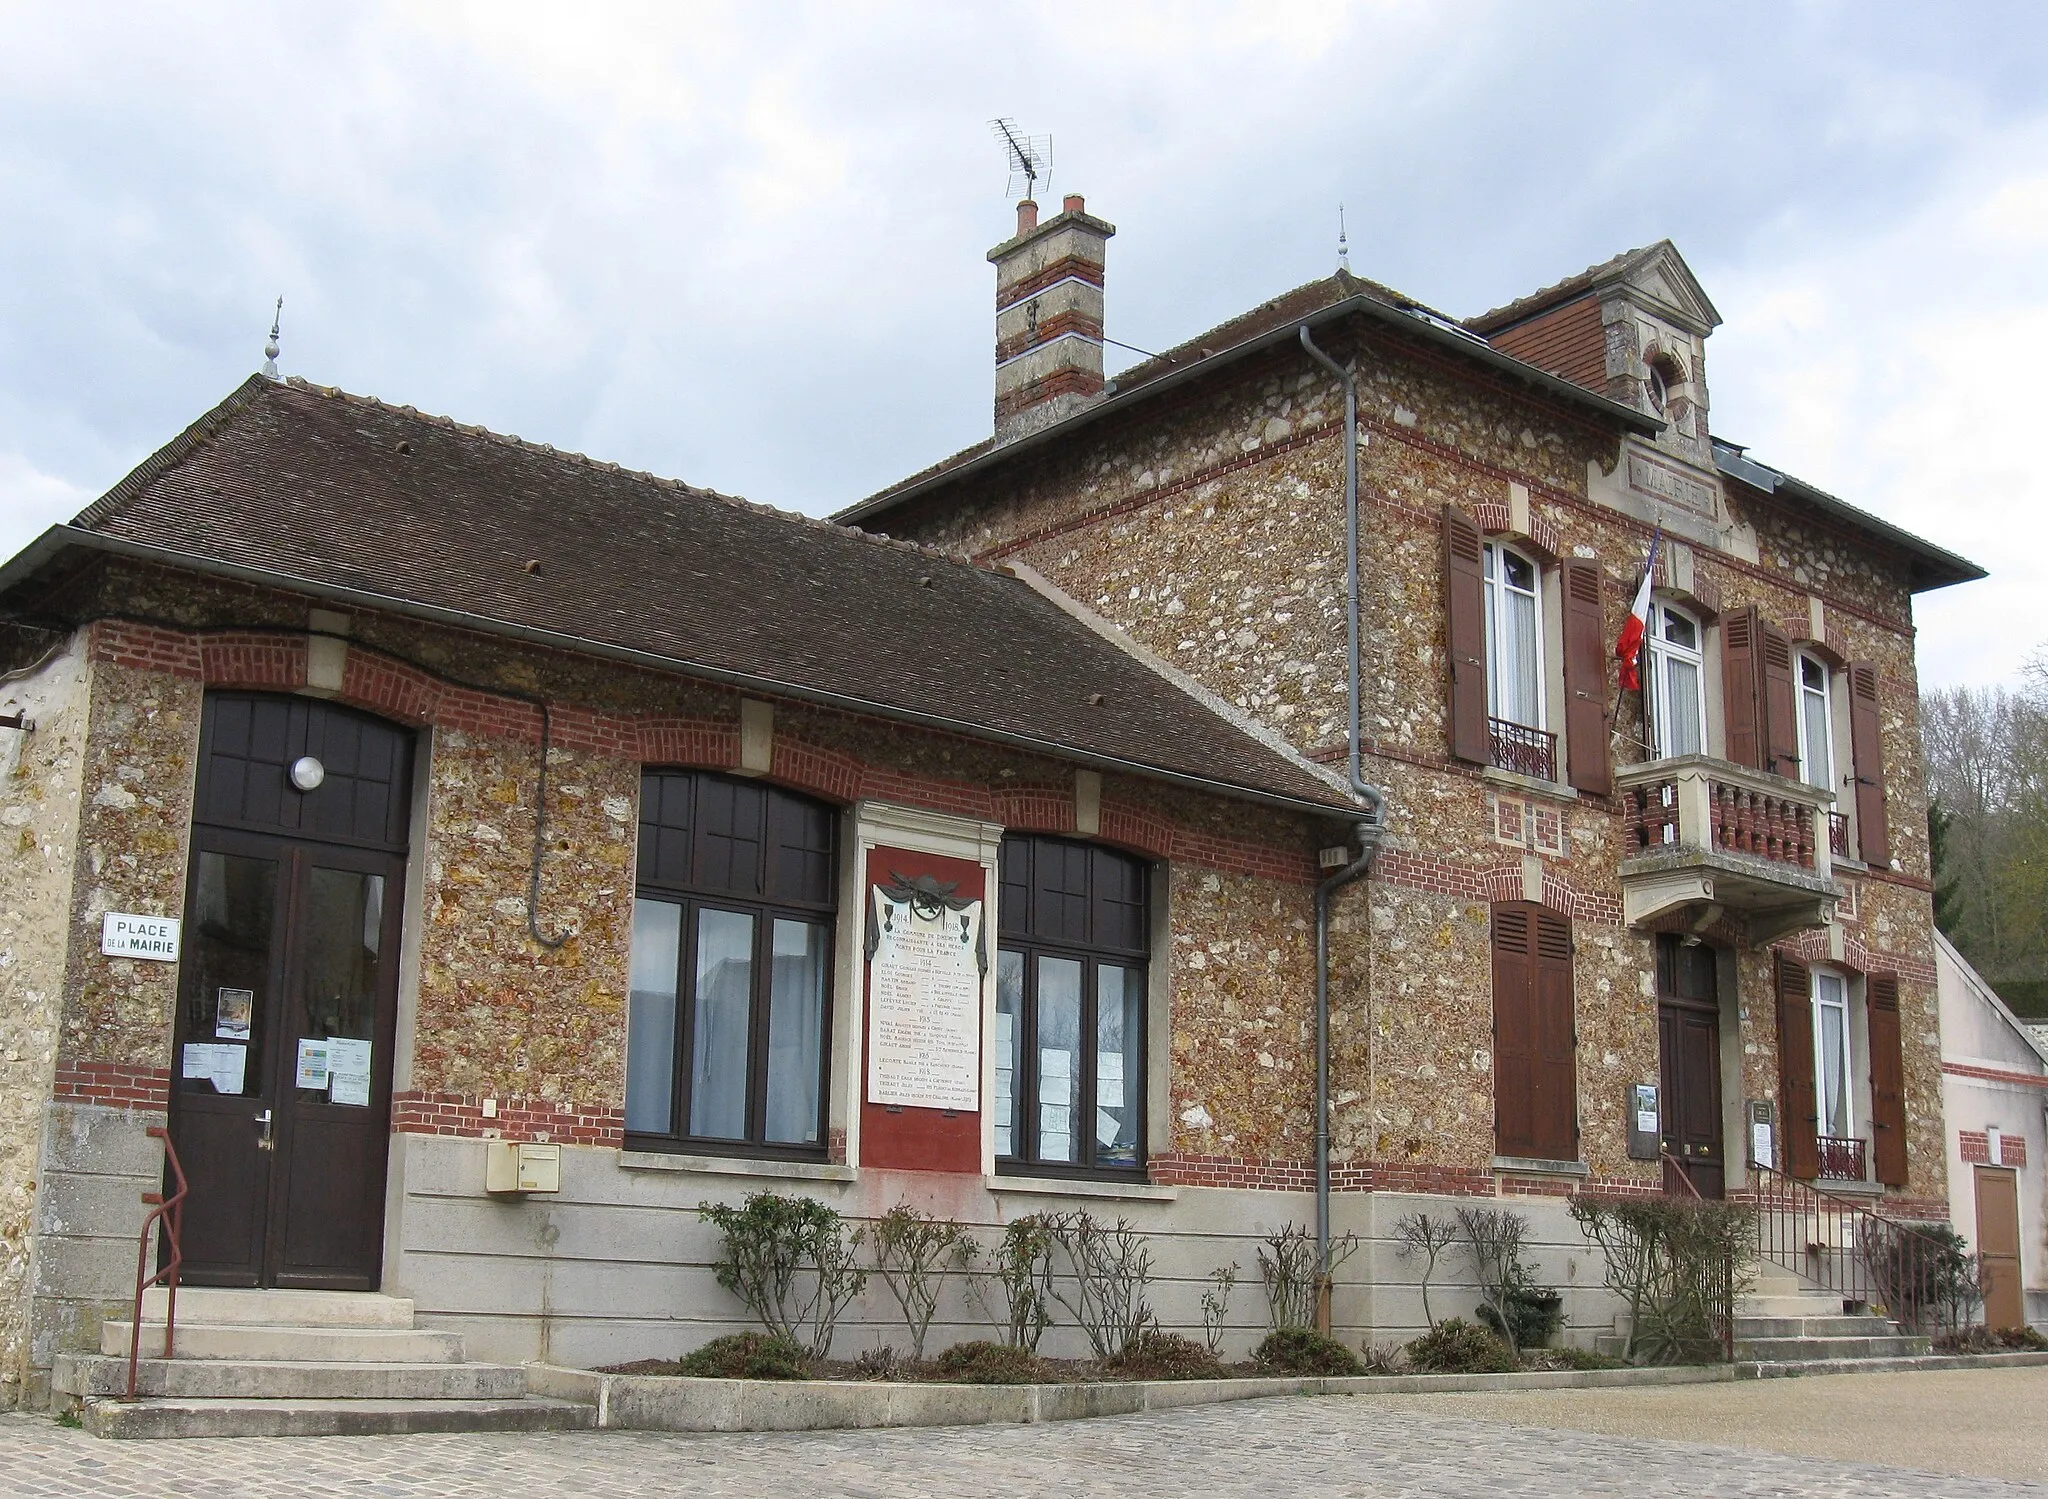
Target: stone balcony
{"points": [[1705, 836]]}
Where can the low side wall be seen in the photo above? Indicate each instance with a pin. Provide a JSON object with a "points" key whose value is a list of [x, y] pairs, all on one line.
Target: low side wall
{"points": [[618, 1266]]}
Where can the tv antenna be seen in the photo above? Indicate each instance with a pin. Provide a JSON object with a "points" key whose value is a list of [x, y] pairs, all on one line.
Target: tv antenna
{"points": [[1029, 156]]}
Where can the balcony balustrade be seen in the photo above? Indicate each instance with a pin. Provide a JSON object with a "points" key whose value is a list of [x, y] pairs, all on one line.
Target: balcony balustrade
{"points": [[1525, 751], [1710, 835], [1841, 1159]]}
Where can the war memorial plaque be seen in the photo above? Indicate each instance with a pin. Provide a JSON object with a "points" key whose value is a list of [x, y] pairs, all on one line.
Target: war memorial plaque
{"points": [[924, 999]]}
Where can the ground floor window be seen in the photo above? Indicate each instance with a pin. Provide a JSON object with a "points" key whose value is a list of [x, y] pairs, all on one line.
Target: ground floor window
{"points": [[1071, 976], [731, 971]]}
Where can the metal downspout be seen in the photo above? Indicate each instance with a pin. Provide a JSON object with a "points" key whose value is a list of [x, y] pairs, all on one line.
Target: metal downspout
{"points": [[1370, 829]]}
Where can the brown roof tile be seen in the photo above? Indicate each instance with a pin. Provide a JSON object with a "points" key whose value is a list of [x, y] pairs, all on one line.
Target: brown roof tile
{"points": [[344, 492]]}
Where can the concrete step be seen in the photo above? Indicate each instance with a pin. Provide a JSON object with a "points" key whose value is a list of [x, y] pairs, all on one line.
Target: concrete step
{"points": [[226, 1307], [1832, 1350], [1841, 1325], [85, 1375], [1789, 1306], [313, 1345], [163, 1419]]}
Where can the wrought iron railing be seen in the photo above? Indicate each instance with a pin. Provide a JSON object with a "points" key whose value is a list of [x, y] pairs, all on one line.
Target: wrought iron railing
{"points": [[1841, 1159], [1849, 1251], [170, 1212], [1724, 1310], [1838, 834], [1525, 751]]}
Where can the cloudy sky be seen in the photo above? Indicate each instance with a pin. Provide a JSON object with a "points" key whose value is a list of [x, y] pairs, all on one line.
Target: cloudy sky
{"points": [[744, 244]]}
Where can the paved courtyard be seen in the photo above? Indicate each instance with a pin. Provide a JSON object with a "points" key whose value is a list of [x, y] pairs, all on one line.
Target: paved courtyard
{"points": [[1395, 1445]]}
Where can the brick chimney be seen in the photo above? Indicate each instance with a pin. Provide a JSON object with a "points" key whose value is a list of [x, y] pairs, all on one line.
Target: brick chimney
{"points": [[1048, 316]]}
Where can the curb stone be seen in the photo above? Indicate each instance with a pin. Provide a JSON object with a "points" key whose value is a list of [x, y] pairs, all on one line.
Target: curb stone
{"points": [[652, 1402]]}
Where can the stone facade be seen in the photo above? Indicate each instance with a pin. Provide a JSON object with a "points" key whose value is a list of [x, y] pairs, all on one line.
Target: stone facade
{"points": [[1208, 524]]}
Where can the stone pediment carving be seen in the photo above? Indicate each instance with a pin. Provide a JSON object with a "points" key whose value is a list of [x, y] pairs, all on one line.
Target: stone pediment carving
{"points": [[1658, 278]]}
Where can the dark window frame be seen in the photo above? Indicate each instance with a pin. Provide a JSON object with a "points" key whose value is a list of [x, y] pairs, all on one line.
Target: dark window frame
{"points": [[764, 906], [1025, 933]]}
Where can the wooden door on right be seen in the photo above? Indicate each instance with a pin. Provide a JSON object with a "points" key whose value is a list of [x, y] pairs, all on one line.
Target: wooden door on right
{"points": [[1998, 1246]]}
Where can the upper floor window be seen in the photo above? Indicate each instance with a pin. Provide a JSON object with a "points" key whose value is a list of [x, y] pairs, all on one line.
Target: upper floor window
{"points": [[1514, 636], [1816, 724], [1071, 973], [731, 964], [1676, 681]]}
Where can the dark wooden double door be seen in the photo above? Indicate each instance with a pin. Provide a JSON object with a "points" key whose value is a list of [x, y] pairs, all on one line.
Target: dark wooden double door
{"points": [[288, 985], [1689, 1067]]}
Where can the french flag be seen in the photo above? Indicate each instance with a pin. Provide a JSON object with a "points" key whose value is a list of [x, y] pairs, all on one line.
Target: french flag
{"points": [[1629, 648]]}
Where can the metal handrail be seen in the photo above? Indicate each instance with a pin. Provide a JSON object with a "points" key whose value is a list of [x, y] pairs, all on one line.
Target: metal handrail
{"points": [[1845, 1247], [1683, 1174], [170, 1211]]}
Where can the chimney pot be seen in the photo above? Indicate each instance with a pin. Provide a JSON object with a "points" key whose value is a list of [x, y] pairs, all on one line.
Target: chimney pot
{"points": [[1073, 203], [1027, 216]]}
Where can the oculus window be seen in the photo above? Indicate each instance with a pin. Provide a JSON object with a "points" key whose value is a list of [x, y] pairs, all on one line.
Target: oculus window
{"points": [[731, 966], [1070, 1007]]}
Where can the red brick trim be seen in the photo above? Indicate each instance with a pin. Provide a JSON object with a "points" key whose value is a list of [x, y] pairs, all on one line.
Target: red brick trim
{"points": [[408, 694], [1250, 1174], [538, 1119], [1070, 381], [1494, 520], [1090, 271], [1561, 893], [1812, 947], [1049, 329], [1995, 1075], [117, 1085]]}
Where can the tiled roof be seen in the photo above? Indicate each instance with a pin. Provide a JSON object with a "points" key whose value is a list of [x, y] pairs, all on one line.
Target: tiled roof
{"points": [[341, 492], [1549, 296]]}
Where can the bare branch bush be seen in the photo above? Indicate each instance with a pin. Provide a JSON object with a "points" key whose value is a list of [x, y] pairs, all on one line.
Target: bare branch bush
{"points": [[1110, 1270], [1290, 1274], [912, 1251], [1215, 1303], [1020, 1269], [1493, 1246], [1425, 1237]]}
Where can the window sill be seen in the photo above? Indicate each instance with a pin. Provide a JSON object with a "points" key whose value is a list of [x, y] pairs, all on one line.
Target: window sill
{"points": [[1534, 785], [1078, 1186], [725, 1165], [1841, 1187], [1522, 1165]]}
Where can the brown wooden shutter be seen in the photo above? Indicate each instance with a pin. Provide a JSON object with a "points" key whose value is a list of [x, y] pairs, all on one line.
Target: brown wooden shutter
{"points": [[1798, 1101], [1514, 1037], [1741, 697], [1873, 832], [1465, 634], [1887, 1080], [1780, 703], [1556, 1104], [1535, 1084], [1585, 680]]}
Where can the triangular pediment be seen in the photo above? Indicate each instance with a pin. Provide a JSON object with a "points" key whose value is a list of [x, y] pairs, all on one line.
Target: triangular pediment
{"points": [[1658, 277]]}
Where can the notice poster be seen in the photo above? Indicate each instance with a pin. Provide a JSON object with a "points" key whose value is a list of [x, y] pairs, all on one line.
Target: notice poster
{"points": [[220, 1063], [924, 1002], [348, 1071], [231, 1013], [312, 1069]]}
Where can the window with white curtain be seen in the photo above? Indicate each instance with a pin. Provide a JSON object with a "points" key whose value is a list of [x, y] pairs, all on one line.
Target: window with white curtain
{"points": [[1514, 636], [1831, 1054], [1816, 724], [1677, 681]]}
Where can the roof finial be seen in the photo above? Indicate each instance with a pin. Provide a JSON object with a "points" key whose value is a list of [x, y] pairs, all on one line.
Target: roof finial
{"points": [[1343, 245], [270, 348]]}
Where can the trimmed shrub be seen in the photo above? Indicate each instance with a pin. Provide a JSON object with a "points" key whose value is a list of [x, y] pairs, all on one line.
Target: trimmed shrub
{"points": [[1165, 1355], [1455, 1346], [1303, 1350], [748, 1355], [982, 1362]]}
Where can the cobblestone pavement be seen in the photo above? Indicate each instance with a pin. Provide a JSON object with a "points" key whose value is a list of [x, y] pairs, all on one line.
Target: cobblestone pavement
{"points": [[1332, 1446]]}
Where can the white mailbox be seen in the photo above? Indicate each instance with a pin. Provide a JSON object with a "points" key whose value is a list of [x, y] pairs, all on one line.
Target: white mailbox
{"points": [[513, 1168]]}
